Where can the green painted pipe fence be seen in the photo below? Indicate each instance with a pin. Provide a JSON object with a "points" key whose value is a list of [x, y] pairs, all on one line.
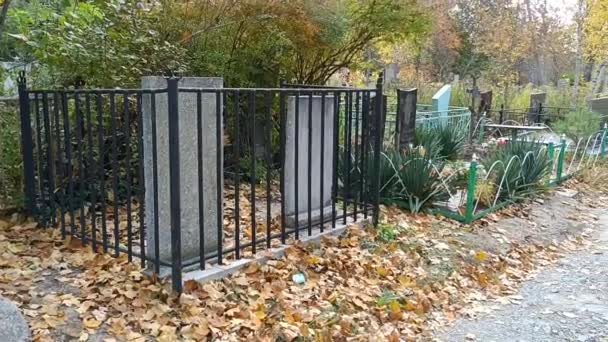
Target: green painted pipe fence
{"points": [[470, 214]]}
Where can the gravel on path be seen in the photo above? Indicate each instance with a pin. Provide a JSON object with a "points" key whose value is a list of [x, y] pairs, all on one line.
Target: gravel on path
{"points": [[565, 302]]}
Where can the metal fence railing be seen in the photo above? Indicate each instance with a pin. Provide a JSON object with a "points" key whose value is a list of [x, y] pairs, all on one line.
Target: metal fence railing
{"points": [[489, 188], [141, 171]]}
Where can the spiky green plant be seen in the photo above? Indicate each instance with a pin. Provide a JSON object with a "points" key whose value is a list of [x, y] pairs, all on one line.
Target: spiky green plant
{"points": [[441, 141], [522, 165], [452, 141], [415, 182], [428, 138]]}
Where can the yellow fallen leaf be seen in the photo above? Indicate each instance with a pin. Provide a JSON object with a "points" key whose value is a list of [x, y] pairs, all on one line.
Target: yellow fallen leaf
{"points": [[481, 256], [91, 323], [395, 307], [260, 314], [406, 281], [382, 271]]}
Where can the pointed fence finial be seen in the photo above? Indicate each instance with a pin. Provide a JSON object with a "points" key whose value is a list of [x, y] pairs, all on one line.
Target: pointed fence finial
{"points": [[380, 78], [21, 80]]}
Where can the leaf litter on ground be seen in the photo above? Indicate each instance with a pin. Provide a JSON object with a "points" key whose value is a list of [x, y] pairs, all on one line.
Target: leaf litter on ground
{"points": [[401, 281]]}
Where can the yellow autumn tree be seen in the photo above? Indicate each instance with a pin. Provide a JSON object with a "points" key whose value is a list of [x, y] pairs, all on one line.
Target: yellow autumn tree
{"points": [[596, 30]]}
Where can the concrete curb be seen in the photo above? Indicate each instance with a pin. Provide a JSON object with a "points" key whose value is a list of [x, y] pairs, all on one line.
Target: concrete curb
{"points": [[221, 271]]}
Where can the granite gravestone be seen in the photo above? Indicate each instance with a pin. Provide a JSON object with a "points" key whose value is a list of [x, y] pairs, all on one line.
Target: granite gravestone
{"points": [[321, 151], [189, 176], [406, 117], [537, 101]]}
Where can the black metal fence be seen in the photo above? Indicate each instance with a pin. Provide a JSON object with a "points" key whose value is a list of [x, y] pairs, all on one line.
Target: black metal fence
{"points": [[537, 115], [87, 154]]}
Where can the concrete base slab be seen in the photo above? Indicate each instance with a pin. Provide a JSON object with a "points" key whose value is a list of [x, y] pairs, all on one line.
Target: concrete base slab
{"points": [[315, 217], [221, 271]]}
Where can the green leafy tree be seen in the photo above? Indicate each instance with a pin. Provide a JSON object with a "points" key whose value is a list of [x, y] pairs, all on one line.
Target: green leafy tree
{"points": [[100, 43]]}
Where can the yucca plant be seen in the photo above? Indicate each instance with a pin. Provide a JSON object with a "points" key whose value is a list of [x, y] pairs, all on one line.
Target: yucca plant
{"points": [[441, 141], [415, 182], [524, 164], [452, 141], [410, 178], [428, 138]]}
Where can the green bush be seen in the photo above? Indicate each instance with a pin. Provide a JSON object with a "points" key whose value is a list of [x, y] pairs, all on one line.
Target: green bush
{"points": [[579, 124], [441, 141], [11, 194], [524, 164], [428, 138], [410, 180]]}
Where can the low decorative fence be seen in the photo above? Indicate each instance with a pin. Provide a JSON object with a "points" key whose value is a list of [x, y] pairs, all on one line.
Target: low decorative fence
{"points": [[458, 118], [491, 184], [142, 171]]}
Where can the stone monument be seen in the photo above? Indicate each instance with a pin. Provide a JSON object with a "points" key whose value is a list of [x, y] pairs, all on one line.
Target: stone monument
{"points": [[537, 101], [189, 176], [406, 117], [320, 117], [441, 101]]}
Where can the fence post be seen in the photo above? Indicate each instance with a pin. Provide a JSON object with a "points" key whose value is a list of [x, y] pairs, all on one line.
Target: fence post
{"points": [[550, 156], [603, 143], [471, 190], [174, 183], [27, 148], [377, 146], [482, 124], [560, 160], [502, 113]]}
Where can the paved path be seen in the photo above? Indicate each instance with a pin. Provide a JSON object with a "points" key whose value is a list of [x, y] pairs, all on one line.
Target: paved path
{"points": [[566, 302]]}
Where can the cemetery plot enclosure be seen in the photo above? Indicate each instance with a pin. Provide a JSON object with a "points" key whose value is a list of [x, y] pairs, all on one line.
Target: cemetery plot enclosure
{"points": [[184, 173]]}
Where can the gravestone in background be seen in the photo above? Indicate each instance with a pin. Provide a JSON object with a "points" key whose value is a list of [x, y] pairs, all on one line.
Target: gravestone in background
{"points": [[563, 84], [371, 120], [319, 153], [485, 103], [601, 106], [406, 117], [537, 100], [190, 225], [391, 73], [441, 100]]}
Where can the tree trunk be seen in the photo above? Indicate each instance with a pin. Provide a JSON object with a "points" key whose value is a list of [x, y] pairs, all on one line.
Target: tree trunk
{"points": [[580, 14], [597, 81], [3, 12]]}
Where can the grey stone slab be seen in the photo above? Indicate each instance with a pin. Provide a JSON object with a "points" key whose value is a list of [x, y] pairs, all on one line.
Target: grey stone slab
{"points": [[13, 326], [189, 176], [406, 117], [441, 100], [536, 100], [318, 153]]}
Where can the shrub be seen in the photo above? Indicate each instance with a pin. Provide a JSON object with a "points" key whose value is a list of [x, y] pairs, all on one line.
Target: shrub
{"points": [[578, 124], [410, 180], [11, 194], [428, 138], [441, 141], [523, 164]]}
